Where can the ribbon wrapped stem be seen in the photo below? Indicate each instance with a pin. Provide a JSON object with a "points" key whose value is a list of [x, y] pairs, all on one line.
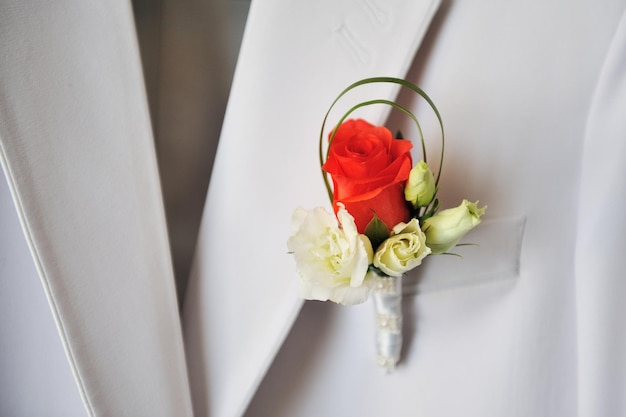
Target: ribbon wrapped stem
{"points": [[387, 296]]}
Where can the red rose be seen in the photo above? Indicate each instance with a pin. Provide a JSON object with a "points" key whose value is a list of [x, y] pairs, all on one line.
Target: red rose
{"points": [[369, 169]]}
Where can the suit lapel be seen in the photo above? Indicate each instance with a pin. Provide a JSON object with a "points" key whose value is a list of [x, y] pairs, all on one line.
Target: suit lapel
{"points": [[295, 57], [77, 150], [600, 263]]}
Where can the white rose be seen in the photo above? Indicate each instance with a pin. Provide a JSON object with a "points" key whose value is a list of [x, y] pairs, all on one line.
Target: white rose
{"points": [[403, 250], [332, 258]]}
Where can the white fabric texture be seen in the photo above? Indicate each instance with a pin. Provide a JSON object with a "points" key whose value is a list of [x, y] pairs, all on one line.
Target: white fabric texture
{"points": [[36, 379], [514, 84], [242, 296], [77, 150], [532, 94], [600, 260]]}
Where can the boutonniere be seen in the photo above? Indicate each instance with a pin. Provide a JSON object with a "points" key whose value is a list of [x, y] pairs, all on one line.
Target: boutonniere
{"points": [[385, 217]]}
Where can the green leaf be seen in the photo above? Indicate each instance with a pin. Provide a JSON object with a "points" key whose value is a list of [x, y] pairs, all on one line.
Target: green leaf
{"points": [[451, 254], [376, 231], [372, 268], [467, 244], [399, 135]]}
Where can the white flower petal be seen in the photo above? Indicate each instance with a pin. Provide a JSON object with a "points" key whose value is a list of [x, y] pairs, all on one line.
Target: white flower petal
{"points": [[402, 251], [331, 257]]}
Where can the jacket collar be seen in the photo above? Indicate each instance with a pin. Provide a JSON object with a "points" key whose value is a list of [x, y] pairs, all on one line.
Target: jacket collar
{"points": [[294, 59]]}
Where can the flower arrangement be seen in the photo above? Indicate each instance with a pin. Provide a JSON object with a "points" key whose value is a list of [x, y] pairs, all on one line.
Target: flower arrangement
{"points": [[386, 216], [385, 219]]}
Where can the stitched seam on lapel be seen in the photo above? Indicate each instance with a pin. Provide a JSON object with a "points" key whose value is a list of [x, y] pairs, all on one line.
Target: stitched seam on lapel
{"points": [[44, 280]]}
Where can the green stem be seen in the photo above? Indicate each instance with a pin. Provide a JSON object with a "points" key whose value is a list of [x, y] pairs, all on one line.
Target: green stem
{"points": [[380, 101]]}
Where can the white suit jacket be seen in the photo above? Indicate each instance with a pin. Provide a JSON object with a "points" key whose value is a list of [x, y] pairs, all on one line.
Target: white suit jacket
{"points": [[529, 324]]}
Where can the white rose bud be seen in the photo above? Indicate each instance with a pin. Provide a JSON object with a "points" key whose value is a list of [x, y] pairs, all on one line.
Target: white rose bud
{"points": [[420, 187], [446, 228], [403, 250], [332, 258]]}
